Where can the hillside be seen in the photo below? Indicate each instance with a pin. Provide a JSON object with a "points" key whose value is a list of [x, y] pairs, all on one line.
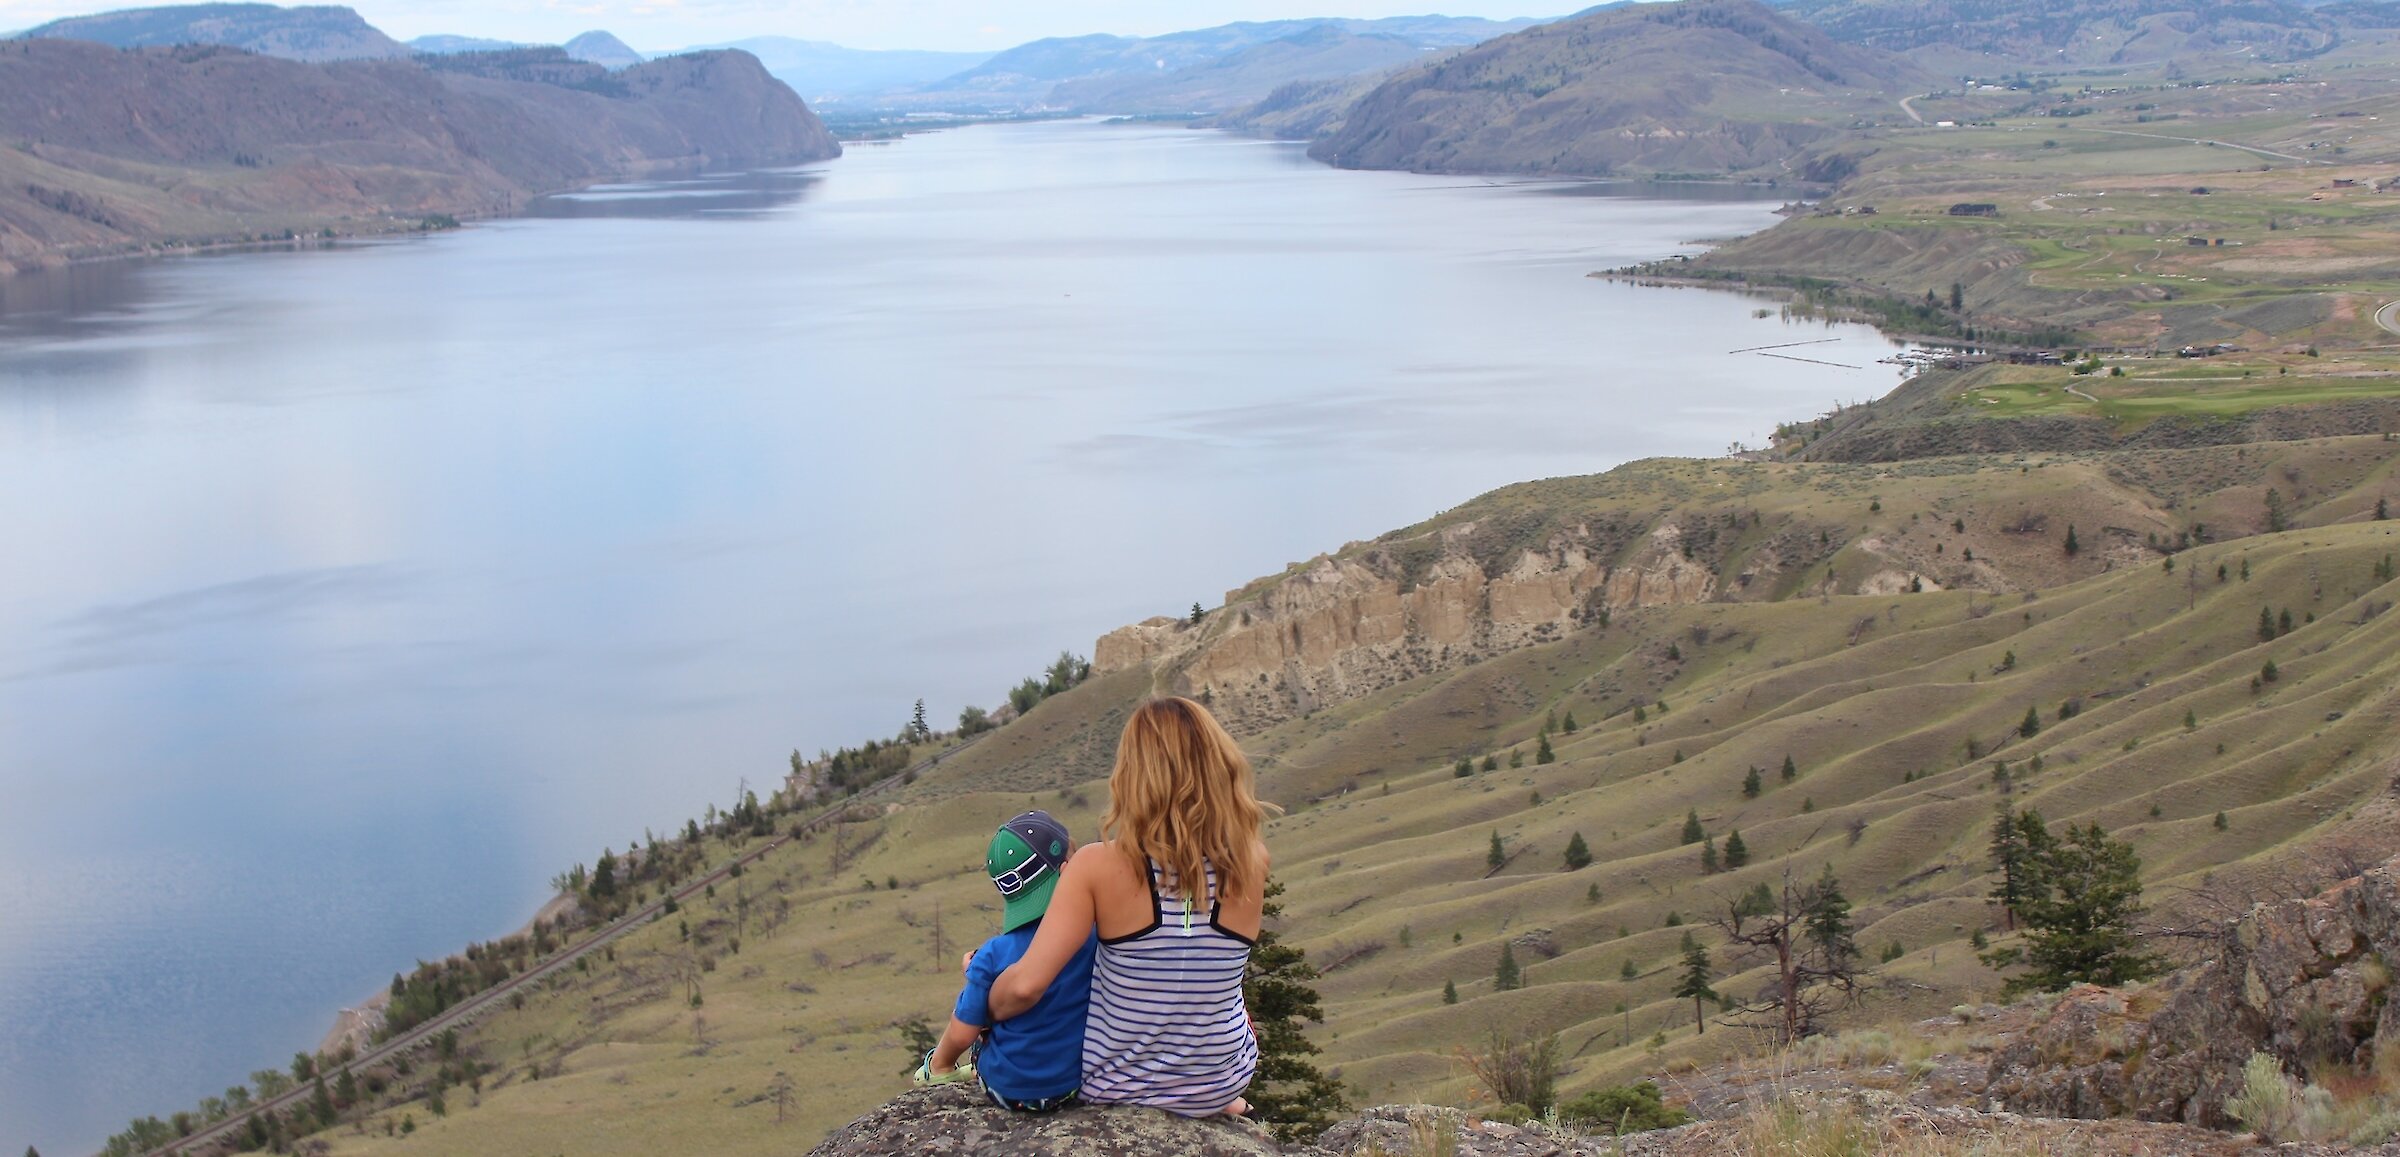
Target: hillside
{"points": [[1620, 90], [305, 33], [1694, 620], [127, 151], [2074, 33], [1245, 76]]}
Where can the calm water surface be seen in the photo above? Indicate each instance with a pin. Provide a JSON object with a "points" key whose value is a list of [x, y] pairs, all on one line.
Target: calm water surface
{"points": [[350, 595]]}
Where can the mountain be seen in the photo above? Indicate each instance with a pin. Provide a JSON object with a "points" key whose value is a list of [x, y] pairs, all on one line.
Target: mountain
{"points": [[121, 151], [441, 45], [1243, 76], [1715, 86], [1301, 110], [2073, 33], [310, 33], [815, 68], [604, 50], [1025, 75]]}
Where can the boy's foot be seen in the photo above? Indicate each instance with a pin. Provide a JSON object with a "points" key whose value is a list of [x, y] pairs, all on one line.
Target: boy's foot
{"points": [[1240, 1108]]}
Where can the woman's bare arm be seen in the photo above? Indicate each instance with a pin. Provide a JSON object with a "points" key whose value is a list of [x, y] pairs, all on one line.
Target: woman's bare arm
{"points": [[1065, 928]]}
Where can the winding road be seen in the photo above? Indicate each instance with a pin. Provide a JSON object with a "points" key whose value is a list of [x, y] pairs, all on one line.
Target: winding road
{"points": [[466, 1010], [2194, 141], [2389, 317]]}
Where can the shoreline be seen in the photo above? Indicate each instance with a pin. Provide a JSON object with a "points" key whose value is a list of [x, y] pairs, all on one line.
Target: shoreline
{"points": [[354, 1025]]}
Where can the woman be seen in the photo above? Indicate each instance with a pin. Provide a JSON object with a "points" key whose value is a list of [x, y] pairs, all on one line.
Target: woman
{"points": [[1176, 889]]}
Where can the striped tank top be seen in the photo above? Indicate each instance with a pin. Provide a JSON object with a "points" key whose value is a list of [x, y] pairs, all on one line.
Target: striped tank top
{"points": [[1167, 1026]]}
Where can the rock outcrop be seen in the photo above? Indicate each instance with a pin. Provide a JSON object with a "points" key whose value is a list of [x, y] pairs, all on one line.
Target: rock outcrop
{"points": [[2306, 980], [1343, 626], [957, 1121]]}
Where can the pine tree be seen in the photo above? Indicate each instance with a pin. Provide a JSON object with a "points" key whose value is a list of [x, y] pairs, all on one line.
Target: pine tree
{"points": [[2072, 545], [1791, 771], [2080, 930], [1751, 785], [2382, 511], [1629, 970], [1507, 976], [1291, 1095], [1491, 763], [2031, 725], [1499, 853], [1692, 831], [1958, 297], [1464, 770], [1449, 992], [1196, 614], [604, 877], [2266, 625], [1695, 983], [1737, 853], [320, 1102], [2020, 841], [918, 730], [1542, 753], [345, 1088], [1568, 724], [1579, 854], [1708, 857]]}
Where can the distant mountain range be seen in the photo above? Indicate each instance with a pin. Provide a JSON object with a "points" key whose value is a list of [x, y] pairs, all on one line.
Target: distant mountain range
{"points": [[818, 70], [1211, 69], [604, 50]]}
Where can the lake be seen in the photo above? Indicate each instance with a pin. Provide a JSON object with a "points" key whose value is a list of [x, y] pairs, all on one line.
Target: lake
{"points": [[352, 594]]}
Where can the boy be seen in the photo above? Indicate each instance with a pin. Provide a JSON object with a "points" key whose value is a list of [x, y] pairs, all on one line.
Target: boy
{"points": [[1032, 1062]]}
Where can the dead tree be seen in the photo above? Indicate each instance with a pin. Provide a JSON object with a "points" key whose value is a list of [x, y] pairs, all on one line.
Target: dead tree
{"points": [[1805, 936]]}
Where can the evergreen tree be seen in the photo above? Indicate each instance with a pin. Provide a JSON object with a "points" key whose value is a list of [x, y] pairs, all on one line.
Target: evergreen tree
{"points": [[2283, 622], [1291, 1095], [1737, 853], [1568, 724], [1752, 785], [2080, 930], [1579, 854], [345, 1088], [1791, 771], [2382, 511], [1958, 297], [1196, 614], [1516, 757], [320, 1102], [1692, 831], [2020, 841], [2031, 725], [1629, 970], [1449, 992], [604, 877], [1499, 853], [2072, 545], [1507, 976], [1464, 770], [2266, 625], [1708, 856], [1542, 753], [1695, 982], [1491, 763], [1828, 920], [918, 730]]}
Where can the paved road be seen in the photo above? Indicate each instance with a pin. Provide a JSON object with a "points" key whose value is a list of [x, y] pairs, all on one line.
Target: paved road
{"points": [[466, 1010], [2389, 317]]}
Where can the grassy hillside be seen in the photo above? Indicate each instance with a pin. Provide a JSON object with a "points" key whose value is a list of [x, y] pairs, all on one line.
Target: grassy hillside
{"points": [[314, 33], [1875, 698], [1712, 86]]}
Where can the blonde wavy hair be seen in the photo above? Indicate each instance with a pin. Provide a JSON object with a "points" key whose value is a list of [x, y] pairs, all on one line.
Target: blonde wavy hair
{"points": [[1182, 793]]}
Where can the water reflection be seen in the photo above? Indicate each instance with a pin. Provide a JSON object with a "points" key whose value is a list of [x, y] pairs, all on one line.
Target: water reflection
{"points": [[710, 195]]}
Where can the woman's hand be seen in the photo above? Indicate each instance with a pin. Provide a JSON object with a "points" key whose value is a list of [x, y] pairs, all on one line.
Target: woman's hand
{"points": [[1065, 928]]}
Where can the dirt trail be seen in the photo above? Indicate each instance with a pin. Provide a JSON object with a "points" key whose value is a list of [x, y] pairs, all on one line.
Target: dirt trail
{"points": [[2389, 317]]}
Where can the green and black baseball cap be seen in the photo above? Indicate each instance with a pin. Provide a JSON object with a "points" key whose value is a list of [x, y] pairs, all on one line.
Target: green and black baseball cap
{"points": [[1026, 855]]}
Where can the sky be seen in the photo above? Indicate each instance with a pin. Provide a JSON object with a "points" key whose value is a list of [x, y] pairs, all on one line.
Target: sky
{"points": [[961, 25]]}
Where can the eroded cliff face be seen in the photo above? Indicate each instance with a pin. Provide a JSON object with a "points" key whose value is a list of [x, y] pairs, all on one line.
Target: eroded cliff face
{"points": [[1339, 627]]}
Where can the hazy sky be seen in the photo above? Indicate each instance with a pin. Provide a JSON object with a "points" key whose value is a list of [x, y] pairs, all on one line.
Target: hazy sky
{"points": [[950, 24]]}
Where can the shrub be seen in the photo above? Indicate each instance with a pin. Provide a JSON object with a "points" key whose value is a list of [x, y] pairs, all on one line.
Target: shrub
{"points": [[1636, 1108], [1518, 1072]]}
